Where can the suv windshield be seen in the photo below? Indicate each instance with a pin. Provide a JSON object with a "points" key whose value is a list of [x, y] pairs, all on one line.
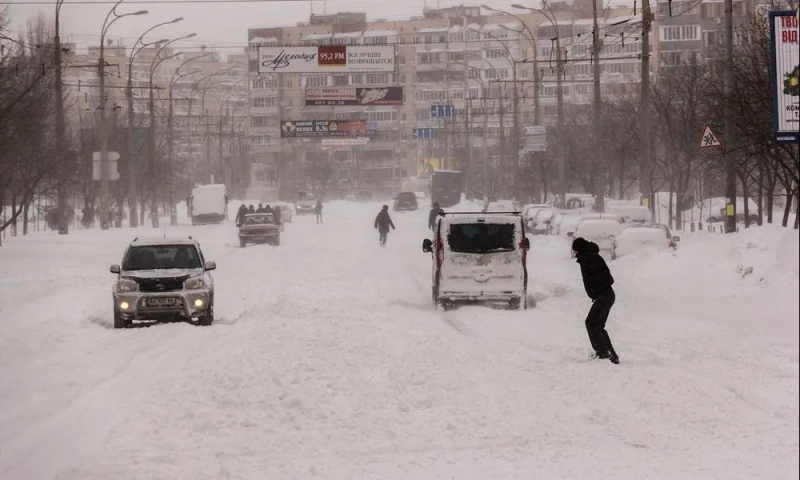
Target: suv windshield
{"points": [[157, 257], [481, 237]]}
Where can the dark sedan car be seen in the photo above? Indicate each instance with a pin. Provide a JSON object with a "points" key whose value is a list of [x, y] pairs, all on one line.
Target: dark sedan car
{"points": [[405, 201]]}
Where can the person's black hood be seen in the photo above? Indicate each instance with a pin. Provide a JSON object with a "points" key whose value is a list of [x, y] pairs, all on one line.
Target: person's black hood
{"points": [[582, 246]]}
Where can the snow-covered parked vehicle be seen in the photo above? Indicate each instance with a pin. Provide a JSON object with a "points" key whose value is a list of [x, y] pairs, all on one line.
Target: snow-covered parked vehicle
{"points": [[259, 228], [642, 236], [602, 231], [163, 279], [478, 258]]}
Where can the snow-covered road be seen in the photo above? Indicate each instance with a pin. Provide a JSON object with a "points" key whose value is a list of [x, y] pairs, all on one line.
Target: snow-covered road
{"points": [[327, 361]]}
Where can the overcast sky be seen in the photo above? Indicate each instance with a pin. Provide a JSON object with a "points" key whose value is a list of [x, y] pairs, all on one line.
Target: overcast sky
{"points": [[221, 25]]}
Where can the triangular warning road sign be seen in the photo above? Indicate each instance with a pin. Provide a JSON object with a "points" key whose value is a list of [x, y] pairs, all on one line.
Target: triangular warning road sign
{"points": [[709, 139]]}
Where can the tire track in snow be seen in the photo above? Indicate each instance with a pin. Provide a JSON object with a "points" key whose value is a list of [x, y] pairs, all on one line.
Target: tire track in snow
{"points": [[51, 446]]}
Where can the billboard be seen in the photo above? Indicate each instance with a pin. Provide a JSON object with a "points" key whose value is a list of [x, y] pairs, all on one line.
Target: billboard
{"points": [[326, 59], [354, 96], [785, 77], [323, 128]]}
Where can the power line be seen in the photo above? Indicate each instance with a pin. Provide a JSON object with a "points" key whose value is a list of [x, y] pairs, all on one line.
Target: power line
{"points": [[159, 2]]}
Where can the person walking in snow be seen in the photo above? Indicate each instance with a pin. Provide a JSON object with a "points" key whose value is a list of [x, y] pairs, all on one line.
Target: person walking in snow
{"points": [[382, 222], [318, 211], [435, 212], [597, 281], [240, 214]]}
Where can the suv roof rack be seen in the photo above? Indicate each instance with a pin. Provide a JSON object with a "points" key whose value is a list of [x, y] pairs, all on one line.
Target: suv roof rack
{"points": [[479, 213]]}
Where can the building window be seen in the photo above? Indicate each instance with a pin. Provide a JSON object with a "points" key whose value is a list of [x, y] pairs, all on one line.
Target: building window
{"points": [[401, 79], [317, 81], [377, 78], [389, 116], [679, 33], [263, 121], [495, 53], [340, 80], [263, 102]]}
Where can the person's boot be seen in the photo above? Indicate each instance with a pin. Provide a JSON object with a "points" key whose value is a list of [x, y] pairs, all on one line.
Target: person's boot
{"points": [[614, 358], [600, 356]]}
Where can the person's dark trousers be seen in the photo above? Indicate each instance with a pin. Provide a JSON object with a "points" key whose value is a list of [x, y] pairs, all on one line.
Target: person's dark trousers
{"points": [[596, 324], [319, 218], [382, 237]]}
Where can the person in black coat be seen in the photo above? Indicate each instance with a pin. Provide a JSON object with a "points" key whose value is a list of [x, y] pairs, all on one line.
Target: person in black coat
{"points": [[435, 211], [240, 214], [382, 222], [597, 281]]}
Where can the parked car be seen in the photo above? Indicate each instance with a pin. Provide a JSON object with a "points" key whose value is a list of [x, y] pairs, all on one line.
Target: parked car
{"points": [[539, 224], [259, 228], [632, 213], [163, 279], [602, 231], [529, 210], [405, 201], [504, 206], [653, 235], [287, 211], [305, 203], [478, 258]]}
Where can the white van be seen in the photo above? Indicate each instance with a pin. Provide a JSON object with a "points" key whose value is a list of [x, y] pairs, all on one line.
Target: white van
{"points": [[208, 204], [479, 258]]}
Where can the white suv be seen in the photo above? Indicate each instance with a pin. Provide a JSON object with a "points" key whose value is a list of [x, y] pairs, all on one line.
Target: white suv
{"points": [[479, 258], [163, 279]]}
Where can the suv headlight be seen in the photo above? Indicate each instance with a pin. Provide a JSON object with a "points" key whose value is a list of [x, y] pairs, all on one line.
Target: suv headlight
{"points": [[126, 285], [194, 283]]}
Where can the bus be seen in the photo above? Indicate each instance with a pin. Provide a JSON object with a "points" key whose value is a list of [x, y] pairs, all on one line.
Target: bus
{"points": [[446, 187]]}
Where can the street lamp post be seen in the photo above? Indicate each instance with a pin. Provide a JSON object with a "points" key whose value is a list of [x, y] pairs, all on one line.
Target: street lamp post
{"points": [[63, 223], [132, 159], [151, 141], [560, 158], [104, 166], [173, 214]]}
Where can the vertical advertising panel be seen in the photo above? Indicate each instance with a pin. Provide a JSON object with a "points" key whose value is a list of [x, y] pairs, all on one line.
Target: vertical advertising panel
{"points": [[785, 77]]}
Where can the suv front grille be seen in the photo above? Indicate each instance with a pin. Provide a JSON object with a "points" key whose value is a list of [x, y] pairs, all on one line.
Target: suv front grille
{"points": [[158, 286]]}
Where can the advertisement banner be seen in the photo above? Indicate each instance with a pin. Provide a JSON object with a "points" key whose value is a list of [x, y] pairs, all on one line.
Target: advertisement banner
{"points": [[323, 128], [785, 76], [326, 59], [354, 96]]}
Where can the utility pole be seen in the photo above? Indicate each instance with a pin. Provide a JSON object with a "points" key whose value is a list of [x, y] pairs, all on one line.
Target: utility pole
{"points": [[104, 173], [63, 222], [730, 160], [645, 171], [561, 160], [599, 174]]}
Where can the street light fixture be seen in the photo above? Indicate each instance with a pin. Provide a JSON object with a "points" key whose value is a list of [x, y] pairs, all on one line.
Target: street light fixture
{"points": [[132, 158], [104, 170], [173, 214], [151, 144]]}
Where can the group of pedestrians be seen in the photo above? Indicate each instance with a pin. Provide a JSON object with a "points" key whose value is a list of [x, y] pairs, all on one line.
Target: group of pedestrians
{"points": [[245, 210]]}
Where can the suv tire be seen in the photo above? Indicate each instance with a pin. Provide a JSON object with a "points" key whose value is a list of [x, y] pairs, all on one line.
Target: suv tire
{"points": [[207, 318], [120, 321], [242, 242]]}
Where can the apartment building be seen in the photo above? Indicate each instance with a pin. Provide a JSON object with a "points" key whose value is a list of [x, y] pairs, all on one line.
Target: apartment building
{"points": [[199, 101], [692, 31]]}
